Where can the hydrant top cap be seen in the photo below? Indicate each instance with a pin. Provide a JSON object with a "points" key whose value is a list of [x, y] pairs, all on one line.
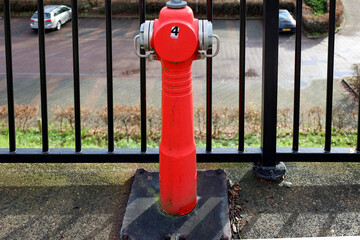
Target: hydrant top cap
{"points": [[176, 4]]}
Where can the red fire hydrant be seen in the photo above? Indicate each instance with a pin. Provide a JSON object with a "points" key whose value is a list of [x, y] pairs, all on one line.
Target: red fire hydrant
{"points": [[176, 39]]}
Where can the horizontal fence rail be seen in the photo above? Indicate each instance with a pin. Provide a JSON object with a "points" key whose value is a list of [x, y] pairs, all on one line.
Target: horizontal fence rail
{"points": [[151, 155], [268, 154]]}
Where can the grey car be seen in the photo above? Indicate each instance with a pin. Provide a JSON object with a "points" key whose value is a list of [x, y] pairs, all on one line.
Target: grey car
{"points": [[286, 22], [55, 16]]}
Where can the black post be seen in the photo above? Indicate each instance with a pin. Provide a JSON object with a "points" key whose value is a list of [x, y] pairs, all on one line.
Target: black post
{"points": [[75, 42], [330, 76], [242, 48], [9, 77], [109, 75], [269, 168], [143, 83], [296, 121], [43, 91], [358, 130], [209, 13]]}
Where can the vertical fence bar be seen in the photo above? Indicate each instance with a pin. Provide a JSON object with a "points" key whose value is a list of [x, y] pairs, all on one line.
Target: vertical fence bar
{"points": [[269, 82], [142, 4], [269, 167], [330, 75], [242, 48], [296, 120], [76, 72], [209, 14], [43, 91], [9, 77], [358, 130], [109, 75]]}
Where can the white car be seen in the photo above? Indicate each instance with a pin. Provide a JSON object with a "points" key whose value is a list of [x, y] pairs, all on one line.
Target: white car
{"points": [[54, 15]]}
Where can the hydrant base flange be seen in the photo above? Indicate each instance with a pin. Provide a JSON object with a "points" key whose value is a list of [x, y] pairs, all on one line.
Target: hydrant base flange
{"points": [[272, 173], [144, 218]]}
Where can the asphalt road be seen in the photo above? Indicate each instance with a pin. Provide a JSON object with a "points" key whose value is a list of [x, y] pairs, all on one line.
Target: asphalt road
{"points": [[126, 64]]}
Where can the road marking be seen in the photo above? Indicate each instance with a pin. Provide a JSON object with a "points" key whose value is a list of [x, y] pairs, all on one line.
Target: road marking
{"points": [[232, 34], [50, 87], [134, 26], [95, 92], [2, 84]]}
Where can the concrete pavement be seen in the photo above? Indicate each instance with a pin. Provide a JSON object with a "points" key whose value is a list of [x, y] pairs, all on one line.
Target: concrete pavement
{"points": [[87, 201]]}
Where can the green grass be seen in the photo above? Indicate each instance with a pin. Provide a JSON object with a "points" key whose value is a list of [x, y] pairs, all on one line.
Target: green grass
{"points": [[32, 139]]}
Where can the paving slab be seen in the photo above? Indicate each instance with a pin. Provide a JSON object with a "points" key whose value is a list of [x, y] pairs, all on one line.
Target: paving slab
{"points": [[144, 218], [323, 200]]}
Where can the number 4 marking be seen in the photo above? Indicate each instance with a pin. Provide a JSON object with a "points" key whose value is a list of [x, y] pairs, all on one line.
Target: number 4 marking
{"points": [[174, 32]]}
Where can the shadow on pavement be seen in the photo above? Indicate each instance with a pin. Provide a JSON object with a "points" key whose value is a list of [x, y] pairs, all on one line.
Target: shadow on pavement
{"points": [[66, 212], [272, 210]]}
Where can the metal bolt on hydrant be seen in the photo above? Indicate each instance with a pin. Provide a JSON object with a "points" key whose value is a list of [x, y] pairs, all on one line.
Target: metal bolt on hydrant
{"points": [[176, 39]]}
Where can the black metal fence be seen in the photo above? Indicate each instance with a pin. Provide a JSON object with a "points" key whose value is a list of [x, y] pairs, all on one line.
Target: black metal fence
{"points": [[269, 154]]}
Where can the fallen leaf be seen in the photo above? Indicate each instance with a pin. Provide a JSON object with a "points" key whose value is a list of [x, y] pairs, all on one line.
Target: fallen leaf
{"points": [[234, 228], [237, 188], [243, 223], [269, 197], [234, 193], [264, 180]]}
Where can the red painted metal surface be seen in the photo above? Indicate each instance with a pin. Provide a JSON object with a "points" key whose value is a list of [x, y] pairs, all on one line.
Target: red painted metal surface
{"points": [[175, 40]]}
